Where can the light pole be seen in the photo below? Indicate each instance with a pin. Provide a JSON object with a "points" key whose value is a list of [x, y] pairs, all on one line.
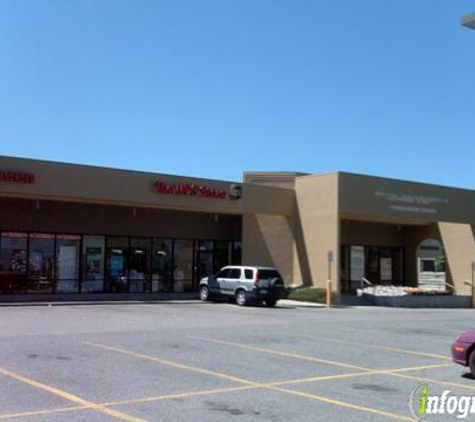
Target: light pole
{"points": [[469, 21]]}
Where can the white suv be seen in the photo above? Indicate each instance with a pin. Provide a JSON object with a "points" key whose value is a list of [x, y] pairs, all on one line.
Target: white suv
{"points": [[244, 284]]}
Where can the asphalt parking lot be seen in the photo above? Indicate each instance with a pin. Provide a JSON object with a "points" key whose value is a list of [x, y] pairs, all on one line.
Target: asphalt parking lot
{"points": [[193, 361]]}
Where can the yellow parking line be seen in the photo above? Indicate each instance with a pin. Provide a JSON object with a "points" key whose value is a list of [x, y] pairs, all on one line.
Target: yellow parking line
{"points": [[419, 368], [219, 391], [355, 374], [278, 353], [320, 378], [434, 381], [172, 363], [129, 401], [389, 372], [251, 383], [296, 356], [343, 404], [181, 395], [68, 396], [41, 412], [372, 346]]}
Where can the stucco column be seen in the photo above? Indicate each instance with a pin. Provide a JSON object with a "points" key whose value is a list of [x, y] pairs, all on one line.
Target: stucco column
{"points": [[269, 240], [459, 244], [317, 202]]}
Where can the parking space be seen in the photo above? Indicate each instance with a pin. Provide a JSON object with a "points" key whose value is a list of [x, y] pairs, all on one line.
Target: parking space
{"points": [[215, 361]]}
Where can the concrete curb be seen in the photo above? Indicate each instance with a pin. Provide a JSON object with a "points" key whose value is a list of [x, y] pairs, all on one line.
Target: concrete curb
{"points": [[300, 304]]}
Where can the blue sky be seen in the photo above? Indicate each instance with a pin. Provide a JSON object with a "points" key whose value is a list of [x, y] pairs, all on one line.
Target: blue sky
{"points": [[213, 88]]}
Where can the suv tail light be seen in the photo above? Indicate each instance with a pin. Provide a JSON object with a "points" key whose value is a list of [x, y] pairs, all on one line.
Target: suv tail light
{"points": [[258, 277]]}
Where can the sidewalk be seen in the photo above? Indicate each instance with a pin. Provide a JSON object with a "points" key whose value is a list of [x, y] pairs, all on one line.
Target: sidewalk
{"points": [[300, 304], [95, 299]]}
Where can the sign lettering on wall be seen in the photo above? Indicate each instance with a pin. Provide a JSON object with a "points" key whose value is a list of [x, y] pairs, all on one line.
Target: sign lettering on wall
{"points": [[189, 189], [16, 177], [408, 202]]}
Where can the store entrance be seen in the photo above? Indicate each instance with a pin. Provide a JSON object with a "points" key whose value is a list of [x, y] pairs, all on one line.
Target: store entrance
{"points": [[203, 261], [380, 265]]}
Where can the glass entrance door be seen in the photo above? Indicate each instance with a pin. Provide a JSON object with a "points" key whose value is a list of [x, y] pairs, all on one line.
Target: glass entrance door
{"points": [[378, 264], [203, 261], [116, 265]]}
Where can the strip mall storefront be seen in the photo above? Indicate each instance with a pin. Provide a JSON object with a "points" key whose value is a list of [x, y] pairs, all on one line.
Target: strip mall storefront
{"points": [[79, 231]]}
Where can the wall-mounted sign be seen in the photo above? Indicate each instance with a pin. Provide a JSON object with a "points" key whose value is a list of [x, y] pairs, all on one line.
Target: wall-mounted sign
{"points": [[235, 191], [189, 189], [407, 202], [16, 177]]}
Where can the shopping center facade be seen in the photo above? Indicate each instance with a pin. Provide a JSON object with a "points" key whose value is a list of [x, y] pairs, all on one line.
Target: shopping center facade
{"points": [[76, 231]]}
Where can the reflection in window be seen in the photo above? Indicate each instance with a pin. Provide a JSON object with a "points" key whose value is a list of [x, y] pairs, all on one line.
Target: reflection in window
{"points": [[67, 263], [47, 263], [139, 265], [41, 263], [13, 262], [237, 253], [183, 271], [162, 266], [373, 262], [93, 264], [222, 255], [116, 264], [204, 258]]}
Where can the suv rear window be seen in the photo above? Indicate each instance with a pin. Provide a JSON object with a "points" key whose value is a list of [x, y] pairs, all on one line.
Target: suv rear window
{"points": [[268, 274], [249, 274]]}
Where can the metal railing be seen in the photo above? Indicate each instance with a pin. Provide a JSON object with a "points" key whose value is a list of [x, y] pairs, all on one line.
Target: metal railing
{"points": [[364, 281]]}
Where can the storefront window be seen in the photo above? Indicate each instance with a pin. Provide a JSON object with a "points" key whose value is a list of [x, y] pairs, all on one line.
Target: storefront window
{"points": [[385, 265], [357, 265], [373, 264], [237, 253], [222, 255], [41, 263], [116, 264], [93, 264], [67, 263], [162, 266], [13, 262], [183, 271], [139, 265], [204, 258]]}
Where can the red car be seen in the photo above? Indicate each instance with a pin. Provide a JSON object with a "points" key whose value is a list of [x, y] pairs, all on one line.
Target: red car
{"points": [[463, 350]]}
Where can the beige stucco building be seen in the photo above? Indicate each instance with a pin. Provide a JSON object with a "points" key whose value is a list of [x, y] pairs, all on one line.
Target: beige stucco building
{"points": [[79, 230]]}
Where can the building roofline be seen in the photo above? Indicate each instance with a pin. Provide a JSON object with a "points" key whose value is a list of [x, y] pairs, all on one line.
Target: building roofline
{"points": [[392, 179], [99, 167], [274, 174]]}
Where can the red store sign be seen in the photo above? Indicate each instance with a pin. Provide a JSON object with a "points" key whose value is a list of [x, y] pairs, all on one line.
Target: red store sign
{"points": [[189, 189], [16, 177]]}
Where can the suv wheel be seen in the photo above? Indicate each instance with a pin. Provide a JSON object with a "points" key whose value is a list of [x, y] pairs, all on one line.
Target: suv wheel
{"points": [[241, 297], [271, 303], [204, 293]]}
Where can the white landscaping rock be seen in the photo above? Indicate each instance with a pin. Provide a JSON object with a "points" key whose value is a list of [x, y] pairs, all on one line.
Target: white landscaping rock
{"points": [[385, 291]]}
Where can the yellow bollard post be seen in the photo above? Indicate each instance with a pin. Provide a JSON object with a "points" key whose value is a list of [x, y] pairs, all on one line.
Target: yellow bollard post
{"points": [[329, 293]]}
